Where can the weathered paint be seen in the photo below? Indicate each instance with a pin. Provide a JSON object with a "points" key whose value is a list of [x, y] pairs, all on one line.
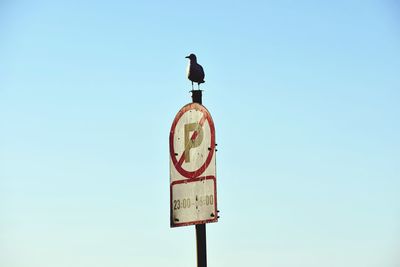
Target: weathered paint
{"points": [[192, 167]]}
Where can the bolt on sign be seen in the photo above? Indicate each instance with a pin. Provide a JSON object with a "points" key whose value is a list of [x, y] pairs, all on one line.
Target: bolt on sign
{"points": [[193, 193]]}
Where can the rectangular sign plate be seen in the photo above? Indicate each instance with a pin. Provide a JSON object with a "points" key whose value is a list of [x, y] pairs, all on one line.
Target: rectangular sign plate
{"points": [[193, 201]]}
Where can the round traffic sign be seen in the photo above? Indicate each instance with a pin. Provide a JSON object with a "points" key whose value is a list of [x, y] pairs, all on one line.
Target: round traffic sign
{"points": [[192, 140]]}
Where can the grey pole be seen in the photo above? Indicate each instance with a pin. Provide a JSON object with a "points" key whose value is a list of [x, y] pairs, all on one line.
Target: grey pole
{"points": [[201, 243], [196, 96]]}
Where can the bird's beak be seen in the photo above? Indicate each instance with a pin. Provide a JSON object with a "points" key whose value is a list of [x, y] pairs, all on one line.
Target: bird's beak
{"points": [[187, 57]]}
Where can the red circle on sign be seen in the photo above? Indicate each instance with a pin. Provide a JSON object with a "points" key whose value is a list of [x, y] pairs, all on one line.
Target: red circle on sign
{"points": [[178, 164]]}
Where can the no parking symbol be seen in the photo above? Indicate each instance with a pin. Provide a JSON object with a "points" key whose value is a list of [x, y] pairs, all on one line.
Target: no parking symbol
{"points": [[192, 167]]}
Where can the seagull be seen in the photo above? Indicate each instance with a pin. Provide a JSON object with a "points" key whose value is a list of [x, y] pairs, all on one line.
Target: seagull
{"points": [[195, 71]]}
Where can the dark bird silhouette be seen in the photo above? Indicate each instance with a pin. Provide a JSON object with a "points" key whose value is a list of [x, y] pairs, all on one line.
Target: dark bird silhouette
{"points": [[195, 71]]}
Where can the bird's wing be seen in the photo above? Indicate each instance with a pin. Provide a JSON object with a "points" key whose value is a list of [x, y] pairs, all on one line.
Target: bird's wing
{"points": [[201, 72]]}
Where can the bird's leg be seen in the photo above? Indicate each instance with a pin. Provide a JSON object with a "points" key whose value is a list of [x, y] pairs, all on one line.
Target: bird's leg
{"points": [[192, 86], [198, 86]]}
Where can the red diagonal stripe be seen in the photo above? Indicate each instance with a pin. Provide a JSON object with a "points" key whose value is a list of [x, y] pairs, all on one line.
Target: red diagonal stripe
{"points": [[194, 135]]}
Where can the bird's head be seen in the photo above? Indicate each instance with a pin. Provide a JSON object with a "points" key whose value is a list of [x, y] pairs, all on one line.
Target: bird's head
{"points": [[192, 57]]}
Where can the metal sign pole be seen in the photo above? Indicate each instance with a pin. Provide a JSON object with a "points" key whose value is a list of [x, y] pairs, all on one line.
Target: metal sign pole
{"points": [[201, 243]]}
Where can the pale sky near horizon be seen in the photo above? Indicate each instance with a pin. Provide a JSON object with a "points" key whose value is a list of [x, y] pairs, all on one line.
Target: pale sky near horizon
{"points": [[304, 97]]}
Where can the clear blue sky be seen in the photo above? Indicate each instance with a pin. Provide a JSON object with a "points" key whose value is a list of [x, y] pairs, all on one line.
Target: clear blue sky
{"points": [[304, 95]]}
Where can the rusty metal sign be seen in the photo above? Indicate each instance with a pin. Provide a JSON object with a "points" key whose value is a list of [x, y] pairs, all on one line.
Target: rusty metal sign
{"points": [[192, 167]]}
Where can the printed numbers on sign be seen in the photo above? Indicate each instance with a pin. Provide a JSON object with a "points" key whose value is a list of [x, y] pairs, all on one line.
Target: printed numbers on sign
{"points": [[187, 203], [205, 200], [182, 203]]}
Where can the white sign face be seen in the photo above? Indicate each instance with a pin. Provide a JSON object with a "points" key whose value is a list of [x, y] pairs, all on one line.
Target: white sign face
{"points": [[192, 167]]}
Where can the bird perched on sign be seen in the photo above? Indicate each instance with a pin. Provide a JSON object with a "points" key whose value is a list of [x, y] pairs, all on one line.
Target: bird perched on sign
{"points": [[195, 71]]}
